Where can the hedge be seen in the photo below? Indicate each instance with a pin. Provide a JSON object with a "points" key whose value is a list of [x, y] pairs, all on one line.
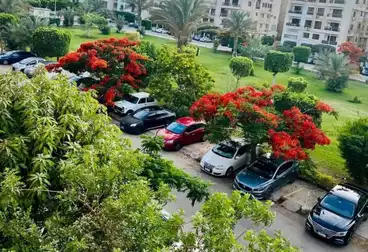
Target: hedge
{"points": [[51, 42], [301, 53], [147, 24], [290, 44], [128, 16], [278, 62]]}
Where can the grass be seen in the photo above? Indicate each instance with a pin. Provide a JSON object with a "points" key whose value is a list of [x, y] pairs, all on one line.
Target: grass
{"points": [[326, 157]]}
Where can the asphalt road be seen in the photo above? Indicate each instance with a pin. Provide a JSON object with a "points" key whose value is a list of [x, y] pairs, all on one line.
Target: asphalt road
{"points": [[290, 224]]}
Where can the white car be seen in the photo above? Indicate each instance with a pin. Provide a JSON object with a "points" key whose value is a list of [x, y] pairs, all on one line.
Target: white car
{"points": [[226, 157], [30, 70], [205, 40], [133, 102], [23, 64]]}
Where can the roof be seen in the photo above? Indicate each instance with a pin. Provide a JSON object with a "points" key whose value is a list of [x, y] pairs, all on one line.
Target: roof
{"points": [[187, 121], [347, 192], [32, 58], [140, 95]]}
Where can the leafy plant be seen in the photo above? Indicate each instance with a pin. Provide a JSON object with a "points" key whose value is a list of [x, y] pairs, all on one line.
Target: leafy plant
{"points": [[140, 6], [6, 20], [254, 49], [68, 15], [353, 142], [41, 42], [240, 67], [268, 40], [147, 24], [351, 50], [289, 44], [356, 100], [277, 62], [297, 85], [106, 30], [301, 54]]}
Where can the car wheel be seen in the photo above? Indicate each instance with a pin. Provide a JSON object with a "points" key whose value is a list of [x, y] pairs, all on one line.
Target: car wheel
{"points": [[129, 112], [348, 237], [5, 62], [229, 172], [267, 195], [177, 146]]}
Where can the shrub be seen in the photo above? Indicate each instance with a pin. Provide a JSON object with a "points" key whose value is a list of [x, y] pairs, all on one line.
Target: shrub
{"points": [[268, 40], [353, 142], [318, 48], [133, 36], [147, 24], [105, 29], [309, 172], [6, 18], [128, 16], [216, 44], [241, 67], [70, 22], [337, 84], [355, 100], [284, 49], [55, 21], [297, 85], [51, 42], [289, 44], [301, 53], [277, 62]]}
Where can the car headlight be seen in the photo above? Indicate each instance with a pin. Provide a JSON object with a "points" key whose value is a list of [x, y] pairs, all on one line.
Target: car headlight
{"points": [[133, 125], [259, 189], [341, 233], [219, 167], [170, 141], [310, 219]]}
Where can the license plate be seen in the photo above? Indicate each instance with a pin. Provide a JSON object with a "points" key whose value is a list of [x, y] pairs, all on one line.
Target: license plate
{"points": [[321, 234], [206, 169]]}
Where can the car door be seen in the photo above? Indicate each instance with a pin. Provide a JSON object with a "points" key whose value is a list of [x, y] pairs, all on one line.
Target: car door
{"points": [[189, 135], [362, 211], [242, 157], [14, 57], [151, 120], [150, 101], [282, 174], [141, 103]]}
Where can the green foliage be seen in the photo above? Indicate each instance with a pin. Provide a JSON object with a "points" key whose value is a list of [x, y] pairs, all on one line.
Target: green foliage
{"points": [[289, 44], [128, 16], [176, 79], [254, 49], [356, 100], [297, 85], [50, 4], [68, 14], [6, 19], [91, 19], [268, 40], [105, 30], [59, 46], [301, 53], [278, 62], [322, 47], [262, 242], [54, 21], [353, 142], [309, 172], [152, 145], [240, 67], [306, 102], [337, 84], [147, 24], [216, 44]]}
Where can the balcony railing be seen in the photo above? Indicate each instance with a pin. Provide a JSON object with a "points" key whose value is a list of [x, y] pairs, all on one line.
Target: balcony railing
{"points": [[223, 14], [331, 28], [337, 15], [292, 24], [231, 4], [329, 42], [295, 11]]}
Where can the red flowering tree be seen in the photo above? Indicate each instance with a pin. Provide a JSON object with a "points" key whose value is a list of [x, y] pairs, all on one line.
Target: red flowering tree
{"points": [[251, 110], [113, 62], [351, 50]]}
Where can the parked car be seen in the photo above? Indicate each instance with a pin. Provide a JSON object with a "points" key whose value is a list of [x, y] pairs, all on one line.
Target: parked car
{"points": [[226, 157], [30, 70], [162, 30], [134, 25], [266, 175], [196, 38], [133, 102], [339, 213], [83, 80], [183, 131], [14, 57], [145, 119], [23, 64], [205, 39]]}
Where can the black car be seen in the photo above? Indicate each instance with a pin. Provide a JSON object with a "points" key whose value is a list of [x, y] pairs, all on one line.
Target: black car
{"points": [[146, 118], [14, 57], [339, 213], [134, 25]]}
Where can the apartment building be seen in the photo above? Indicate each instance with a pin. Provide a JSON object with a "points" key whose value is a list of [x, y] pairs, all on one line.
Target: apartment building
{"points": [[328, 22], [264, 13]]}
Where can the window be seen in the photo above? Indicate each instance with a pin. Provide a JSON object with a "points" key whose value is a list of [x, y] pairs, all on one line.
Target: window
{"points": [[308, 23], [310, 11], [322, 1], [213, 12], [142, 100], [305, 35], [205, 20], [354, 14], [243, 150], [150, 99], [315, 36], [212, 20], [249, 3], [260, 26], [337, 13], [320, 11], [362, 203], [284, 168], [317, 25]]}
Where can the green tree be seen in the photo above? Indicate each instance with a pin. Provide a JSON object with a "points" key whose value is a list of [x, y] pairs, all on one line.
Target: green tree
{"points": [[68, 14], [297, 85], [140, 6], [14, 7], [268, 40], [177, 79], [238, 25], [91, 19], [301, 54], [240, 67], [92, 6], [335, 68], [353, 144], [6, 20], [277, 62], [70, 182], [254, 49], [181, 17], [41, 42]]}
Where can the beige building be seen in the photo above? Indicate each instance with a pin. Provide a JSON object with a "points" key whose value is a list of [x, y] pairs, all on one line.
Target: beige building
{"points": [[328, 22]]}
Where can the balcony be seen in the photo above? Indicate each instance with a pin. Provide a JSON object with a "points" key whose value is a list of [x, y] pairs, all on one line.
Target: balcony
{"points": [[228, 4], [331, 28], [292, 24], [295, 11], [224, 14], [329, 42]]}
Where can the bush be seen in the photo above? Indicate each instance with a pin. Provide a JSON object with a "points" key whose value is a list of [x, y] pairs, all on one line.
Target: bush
{"points": [[290, 44], [337, 84], [318, 48], [353, 142], [301, 53], [55, 21], [133, 36], [6, 18], [51, 42], [284, 49], [297, 85], [128, 16], [147, 24], [241, 67], [278, 62], [66, 22], [355, 100], [216, 44], [268, 40], [105, 29], [309, 172]]}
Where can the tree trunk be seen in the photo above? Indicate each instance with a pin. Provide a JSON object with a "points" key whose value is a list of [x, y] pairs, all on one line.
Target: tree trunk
{"points": [[139, 18], [235, 48], [237, 83], [253, 153], [274, 79]]}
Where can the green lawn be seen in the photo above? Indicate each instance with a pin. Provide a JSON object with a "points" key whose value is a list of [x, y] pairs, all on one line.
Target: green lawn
{"points": [[326, 157]]}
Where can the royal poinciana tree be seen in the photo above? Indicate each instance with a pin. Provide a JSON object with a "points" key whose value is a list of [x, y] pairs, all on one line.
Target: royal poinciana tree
{"points": [[289, 133], [351, 50], [113, 62]]}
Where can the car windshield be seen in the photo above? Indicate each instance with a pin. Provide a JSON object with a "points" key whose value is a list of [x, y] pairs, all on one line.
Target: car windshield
{"points": [[131, 99], [224, 150], [338, 206], [264, 167], [176, 128], [141, 114]]}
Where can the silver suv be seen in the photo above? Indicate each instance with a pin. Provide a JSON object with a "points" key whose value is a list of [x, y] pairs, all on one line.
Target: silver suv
{"points": [[133, 102]]}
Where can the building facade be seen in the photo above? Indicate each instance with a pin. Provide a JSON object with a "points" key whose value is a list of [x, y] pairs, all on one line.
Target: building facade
{"points": [[329, 22]]}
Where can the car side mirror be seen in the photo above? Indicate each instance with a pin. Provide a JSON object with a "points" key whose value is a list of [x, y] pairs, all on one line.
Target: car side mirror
{"points": [[319, 199]]}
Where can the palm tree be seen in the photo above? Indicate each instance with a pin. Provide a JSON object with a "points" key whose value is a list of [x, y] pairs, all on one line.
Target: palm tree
{"points": [[181, 17], [12, 6], [238, 25], [68, 14], [140, 5], [97, 6]]}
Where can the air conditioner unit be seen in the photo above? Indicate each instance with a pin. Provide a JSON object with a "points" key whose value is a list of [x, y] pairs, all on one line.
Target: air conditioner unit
{"points": [[307, 28]]}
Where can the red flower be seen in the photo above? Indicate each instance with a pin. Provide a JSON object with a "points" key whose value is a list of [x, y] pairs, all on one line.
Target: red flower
{"points": [[98, 64], [323, 107]]}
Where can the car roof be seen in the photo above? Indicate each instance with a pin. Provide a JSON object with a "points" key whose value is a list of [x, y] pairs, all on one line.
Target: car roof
{"points": [[140, 95], [33, 58], [348, 192], [187, 120]]}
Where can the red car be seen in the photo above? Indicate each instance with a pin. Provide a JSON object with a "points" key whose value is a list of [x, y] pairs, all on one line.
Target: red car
{"points": [[182, 132]]}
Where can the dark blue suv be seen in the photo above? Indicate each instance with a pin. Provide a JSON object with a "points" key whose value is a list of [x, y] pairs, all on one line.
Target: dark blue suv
{"points": [[339, 213]]}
